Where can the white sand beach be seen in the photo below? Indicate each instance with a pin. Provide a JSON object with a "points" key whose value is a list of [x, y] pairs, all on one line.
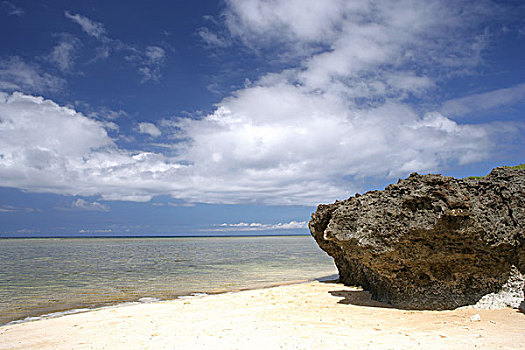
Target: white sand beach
{"points": [[312, 315]]}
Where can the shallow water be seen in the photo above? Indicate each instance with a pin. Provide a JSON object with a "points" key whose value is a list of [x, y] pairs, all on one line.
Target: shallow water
{"points": [[42, 276]]}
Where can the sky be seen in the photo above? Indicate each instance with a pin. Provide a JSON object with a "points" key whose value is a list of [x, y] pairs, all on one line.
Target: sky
{"points": [[241, 116]]}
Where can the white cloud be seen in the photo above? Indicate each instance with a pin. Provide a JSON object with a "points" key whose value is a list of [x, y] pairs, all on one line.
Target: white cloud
{"points": [[104, 230], [148, 61], [150, 129], [230, 157], [16, 74], [102, 113], [13, 209], [353, 34], [295, 20], [25, 231], [91, 206], [348, 106], [340, 112], [94, 29], [48, 148], [212, 39], [154, 54], [408, 82], [484, 101], [283, 144], [256, 226], [183, 205], [63, 54]]}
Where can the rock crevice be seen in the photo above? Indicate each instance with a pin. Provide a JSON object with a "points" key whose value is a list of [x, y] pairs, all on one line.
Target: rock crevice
{"points": [[429, 241]]}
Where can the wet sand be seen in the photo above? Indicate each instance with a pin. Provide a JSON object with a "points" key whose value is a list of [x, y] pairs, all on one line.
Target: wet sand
{"points": [[313, 315]]}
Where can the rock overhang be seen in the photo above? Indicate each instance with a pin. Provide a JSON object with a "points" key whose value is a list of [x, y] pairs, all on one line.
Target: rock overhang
{"points": [[429, 241]]}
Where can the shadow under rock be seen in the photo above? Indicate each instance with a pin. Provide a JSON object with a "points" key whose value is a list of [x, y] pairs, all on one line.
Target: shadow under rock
{"points": [[328, 279], [358, 298]]}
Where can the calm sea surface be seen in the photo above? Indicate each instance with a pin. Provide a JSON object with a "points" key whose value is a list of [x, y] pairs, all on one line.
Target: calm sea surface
{"points": [[42, 276]]}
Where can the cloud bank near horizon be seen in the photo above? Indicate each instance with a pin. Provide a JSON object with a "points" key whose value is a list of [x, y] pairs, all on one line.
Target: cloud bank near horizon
{"points": [[257, 226], [356, 96]]}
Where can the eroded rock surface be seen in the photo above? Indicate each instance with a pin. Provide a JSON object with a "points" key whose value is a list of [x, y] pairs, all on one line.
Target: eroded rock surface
{"points": [[429, 241]]}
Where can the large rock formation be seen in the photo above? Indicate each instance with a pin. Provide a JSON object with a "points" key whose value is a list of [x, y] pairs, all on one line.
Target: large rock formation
{"points": [[429, 241]]}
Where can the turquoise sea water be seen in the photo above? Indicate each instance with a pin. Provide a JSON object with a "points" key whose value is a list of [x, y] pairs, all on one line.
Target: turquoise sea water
{"points": [[42, 276]]}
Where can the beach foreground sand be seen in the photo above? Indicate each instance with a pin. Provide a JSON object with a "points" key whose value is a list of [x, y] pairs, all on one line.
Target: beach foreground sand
{"points": [[313, 315]]}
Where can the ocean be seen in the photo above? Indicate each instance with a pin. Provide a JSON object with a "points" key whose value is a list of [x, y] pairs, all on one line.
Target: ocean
{"points": [[54, 276]]}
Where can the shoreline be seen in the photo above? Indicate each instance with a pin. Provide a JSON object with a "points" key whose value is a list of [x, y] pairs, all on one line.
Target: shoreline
{"points": [[149, 300], [300, 315], [59, 275]]}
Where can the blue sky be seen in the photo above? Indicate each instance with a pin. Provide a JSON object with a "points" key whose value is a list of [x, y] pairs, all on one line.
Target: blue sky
{"points": [[240, 116]]}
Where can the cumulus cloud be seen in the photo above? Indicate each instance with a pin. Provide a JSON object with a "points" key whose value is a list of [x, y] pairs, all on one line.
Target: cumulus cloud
{"points": [[282, 144], [255, 21], [48, 148], [150, 129], [349, 104], [91, 206], [16, 74], [256, 226]]}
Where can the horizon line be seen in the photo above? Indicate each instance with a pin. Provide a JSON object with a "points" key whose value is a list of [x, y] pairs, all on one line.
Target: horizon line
{"points": [[160, 236]]}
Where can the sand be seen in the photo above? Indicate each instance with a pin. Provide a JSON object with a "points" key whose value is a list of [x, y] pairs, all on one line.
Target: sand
{"points": [[313, 315]]}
